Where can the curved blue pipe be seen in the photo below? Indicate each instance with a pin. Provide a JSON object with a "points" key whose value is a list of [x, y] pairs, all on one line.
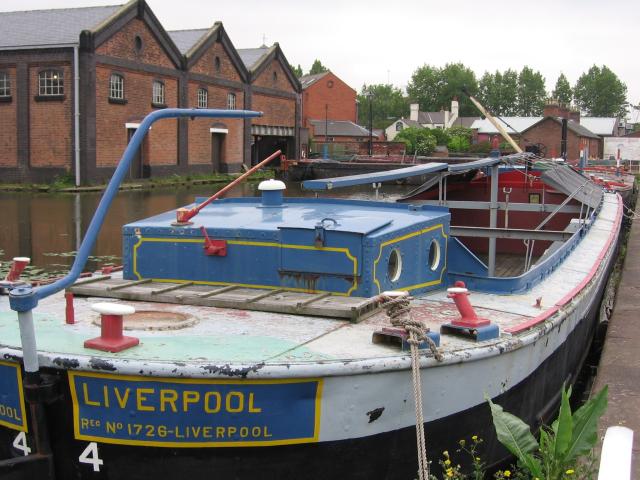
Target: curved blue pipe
{"points": [[114, 184]]}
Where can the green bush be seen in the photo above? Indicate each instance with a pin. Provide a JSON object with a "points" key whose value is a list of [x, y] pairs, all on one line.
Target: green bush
{"points": [[458, 144], [460, 131], [480, 147], [441, 136], [417, 140]]}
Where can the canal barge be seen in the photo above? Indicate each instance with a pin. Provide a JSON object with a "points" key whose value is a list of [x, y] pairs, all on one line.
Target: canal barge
{"points": [[257, 344]]}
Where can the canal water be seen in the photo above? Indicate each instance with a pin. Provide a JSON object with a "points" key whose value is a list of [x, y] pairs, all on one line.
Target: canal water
{"points": [[48, 228]]}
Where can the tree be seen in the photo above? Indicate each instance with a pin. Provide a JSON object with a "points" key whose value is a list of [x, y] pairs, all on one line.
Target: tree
{"points": [[531, 93], [387, 104], [434, 88], [297, 71], [317, 67], [424, 86], [498, 92], [562, 92], [600, 93], [417, 140]]}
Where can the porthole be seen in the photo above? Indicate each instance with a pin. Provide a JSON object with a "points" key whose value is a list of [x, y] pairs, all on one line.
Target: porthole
{"points": [[138, 43], [434, 255], [394, 269]]}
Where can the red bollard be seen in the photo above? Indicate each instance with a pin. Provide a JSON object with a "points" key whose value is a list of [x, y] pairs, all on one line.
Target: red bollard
{"points": [[69, 313], [111, 338], [468, 317], [19, 264]]}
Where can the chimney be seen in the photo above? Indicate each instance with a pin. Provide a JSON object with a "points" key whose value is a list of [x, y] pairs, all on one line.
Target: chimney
{"points": [[554, 109], [413, 115], [574, 115], [455, 111]]}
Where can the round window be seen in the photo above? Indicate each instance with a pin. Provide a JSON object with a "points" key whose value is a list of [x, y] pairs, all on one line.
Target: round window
{"points": [[395, 265], [434, 255], [330, 84]]}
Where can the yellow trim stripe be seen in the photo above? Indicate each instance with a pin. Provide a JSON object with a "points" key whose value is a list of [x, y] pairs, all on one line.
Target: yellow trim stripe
{"points": [[24, 427], [344, 250], [191, 381], [406, 237]]}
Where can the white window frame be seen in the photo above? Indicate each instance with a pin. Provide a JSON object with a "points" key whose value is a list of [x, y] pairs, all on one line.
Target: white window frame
{"points": [[231, 101], [157, 93], [203, 98], [5, 85], [116, 86], [51, 83]]}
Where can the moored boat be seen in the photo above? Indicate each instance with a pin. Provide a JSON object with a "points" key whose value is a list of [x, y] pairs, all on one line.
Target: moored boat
{"points": [[256, 342]]}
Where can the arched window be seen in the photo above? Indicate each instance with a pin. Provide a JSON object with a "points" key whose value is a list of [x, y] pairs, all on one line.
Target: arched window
{"points": [[217, 63], [50, 83], [203, 98], [231, 101], [399, 126], [157, 96], [275, 77], [5, 85], [116, 87]]}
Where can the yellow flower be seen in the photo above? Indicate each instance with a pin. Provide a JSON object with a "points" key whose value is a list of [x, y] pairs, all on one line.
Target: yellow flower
{"points": [[449, 472], [507, 473], [447, 462], [474, 438], [570, 472], [445, 453], [477, 459]]}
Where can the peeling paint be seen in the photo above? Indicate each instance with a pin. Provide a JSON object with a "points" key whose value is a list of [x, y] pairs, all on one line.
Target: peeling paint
{"points": [[66, 363], [375, 414], [101, 364], [233, 372]]}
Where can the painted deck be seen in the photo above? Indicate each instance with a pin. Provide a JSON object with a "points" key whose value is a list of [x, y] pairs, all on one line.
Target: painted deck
{"points": [[620, 362], [245, 338]]}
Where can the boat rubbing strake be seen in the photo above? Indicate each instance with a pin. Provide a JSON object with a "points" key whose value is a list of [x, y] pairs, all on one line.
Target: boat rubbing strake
{"points": [[255, 323]]}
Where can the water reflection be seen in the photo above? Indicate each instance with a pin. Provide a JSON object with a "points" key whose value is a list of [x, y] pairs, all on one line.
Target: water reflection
{"points": [[37, 225]]}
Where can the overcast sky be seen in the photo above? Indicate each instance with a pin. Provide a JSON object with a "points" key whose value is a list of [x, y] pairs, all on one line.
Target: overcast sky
{"points": [[385, 41]]}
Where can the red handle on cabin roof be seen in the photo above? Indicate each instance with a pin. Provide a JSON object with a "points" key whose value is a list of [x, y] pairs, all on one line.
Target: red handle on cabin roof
{"points": [[183, 215]]}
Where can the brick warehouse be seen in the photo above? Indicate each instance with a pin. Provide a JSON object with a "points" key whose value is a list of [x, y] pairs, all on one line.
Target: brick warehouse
{"points": [[124, 65]]}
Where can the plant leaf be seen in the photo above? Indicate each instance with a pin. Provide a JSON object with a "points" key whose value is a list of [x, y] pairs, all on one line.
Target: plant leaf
{"points": [[533, 465], [512, 432], [563, 427], [585, 425]]}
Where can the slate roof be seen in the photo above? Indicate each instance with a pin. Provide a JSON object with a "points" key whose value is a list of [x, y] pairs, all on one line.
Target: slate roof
{"points": [[251, 56], [519, 123], [431, 117], [409, 122], [464, 121], [339, 128], [186, 39], [50, 27], [600, 125], [308, 80]]}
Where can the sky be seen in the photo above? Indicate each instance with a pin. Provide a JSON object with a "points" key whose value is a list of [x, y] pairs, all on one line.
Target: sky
{"points": [[386, 41]]}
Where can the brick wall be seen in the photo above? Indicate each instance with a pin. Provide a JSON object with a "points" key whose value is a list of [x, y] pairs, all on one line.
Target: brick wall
{"points": [[50, 134], [8, 124], [111, 134], [281, 82], [199, 133], [332, 92], [123, 45], [277, 111], [549, 133], [206, 65]]}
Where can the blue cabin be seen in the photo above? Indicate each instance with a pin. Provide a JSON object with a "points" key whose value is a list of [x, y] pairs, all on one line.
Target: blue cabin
{"points": [[343, 247]]}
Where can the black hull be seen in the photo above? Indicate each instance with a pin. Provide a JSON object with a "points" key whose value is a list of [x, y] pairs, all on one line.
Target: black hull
{"points": [[390, 455]]}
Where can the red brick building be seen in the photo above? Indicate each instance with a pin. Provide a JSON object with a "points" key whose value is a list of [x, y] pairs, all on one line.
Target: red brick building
{"points": [[326, 96], [71, 97]]}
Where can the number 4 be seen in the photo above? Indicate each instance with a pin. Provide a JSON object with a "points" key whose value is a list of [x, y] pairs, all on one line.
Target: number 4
{"points": [[90, 456], [20, 443]]}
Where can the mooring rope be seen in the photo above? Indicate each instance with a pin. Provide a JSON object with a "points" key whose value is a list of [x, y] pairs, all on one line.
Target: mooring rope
{"points": [[399, 312]]}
